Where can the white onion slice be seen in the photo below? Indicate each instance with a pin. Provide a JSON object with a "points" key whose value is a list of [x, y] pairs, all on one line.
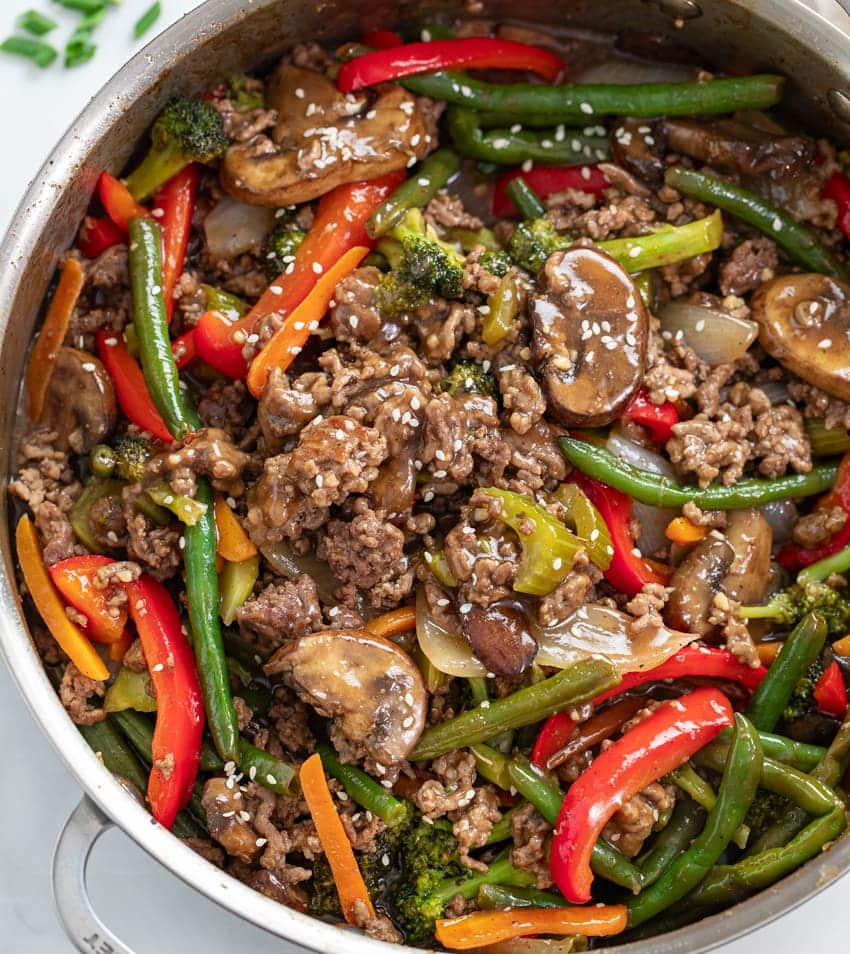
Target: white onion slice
{"points": [[233, 227], [637, 455], [448, 652], [716, 336], [781, 515]]}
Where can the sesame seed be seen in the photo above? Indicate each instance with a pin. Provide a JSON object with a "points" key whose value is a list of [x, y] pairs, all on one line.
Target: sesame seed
{"points": [[317, 268], [465, 607], [299, 93], [528, 165], [586, 108], [825, 343], [260, 842], [557, 563], [776, 224], [275, 289], [516, 128], [271, 780], [634, 251]]}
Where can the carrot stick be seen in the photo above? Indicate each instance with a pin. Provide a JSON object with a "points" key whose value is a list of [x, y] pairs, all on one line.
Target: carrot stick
{"points": [[301, 322], [337, 847], [391, 624], [52, 334], [489, 927], [233, 543], [69, 636], [680, 530]]}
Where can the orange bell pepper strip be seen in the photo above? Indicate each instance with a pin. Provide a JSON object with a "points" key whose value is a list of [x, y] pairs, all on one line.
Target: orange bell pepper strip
{"points": [[340, 224], [841, 647], [391, 624], [290, 338], [118, 649], [116, 199], [680, 530], [768, 652], [69, 636], [74, 578], [346, 874], [52, 334], [489, 927], [233, 543]]}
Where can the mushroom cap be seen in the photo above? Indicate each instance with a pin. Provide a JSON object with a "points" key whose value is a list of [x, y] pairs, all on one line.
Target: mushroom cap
{"points": [[324, 138], [366, 684], [804, 323], [80, 401], [589, 335]]}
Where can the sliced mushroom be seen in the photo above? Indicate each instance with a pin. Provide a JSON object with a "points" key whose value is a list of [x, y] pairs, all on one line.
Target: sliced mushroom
{"points": [[367, 685], [222, 806], [804, 322], [80, 401], [738, 147], [500, 638], [324, 138], [590, 328], [638, 146], [736, 563]]}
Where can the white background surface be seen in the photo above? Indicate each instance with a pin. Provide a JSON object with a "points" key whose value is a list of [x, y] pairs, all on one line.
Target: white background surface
{"points": [[146, 906]]}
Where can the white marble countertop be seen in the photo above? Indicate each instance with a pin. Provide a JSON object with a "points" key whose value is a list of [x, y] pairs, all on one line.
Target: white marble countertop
{"points": [[147, 907]]}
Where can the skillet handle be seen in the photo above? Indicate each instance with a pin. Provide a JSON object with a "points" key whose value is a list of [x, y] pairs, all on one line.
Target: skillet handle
{"points": [[70, 860]]}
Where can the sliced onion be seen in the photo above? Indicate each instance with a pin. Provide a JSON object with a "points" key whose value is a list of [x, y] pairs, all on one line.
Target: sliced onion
{"points": [[285, 561], [653, 524], [448, 652], [781, 515], [233, 227], [596, 630], [637, 455], [716, 336], [624, 72]]}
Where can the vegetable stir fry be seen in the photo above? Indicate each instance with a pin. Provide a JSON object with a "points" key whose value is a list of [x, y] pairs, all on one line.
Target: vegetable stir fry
{"points": [[437, 495]]}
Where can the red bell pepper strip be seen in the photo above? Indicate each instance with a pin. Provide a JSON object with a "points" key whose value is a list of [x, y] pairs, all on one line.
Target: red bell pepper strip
{"points": [[546, 181], [831, 693], [690, 662], [657, 418], [184, 350], [794, 557], [74, 578], [473, 53], [176, 745], [837, 188], [97, 234], [629, 572], [173, 207], [381, 39], [116, 199], [661, 742], [130, 386], [339, 225]]}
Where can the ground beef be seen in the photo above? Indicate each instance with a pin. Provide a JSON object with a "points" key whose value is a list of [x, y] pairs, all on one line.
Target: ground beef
{"points": [[207, 850], [446, 210], [377, 926], [290, 718], [226, 406], [56, 532], [241, 125], [76, 692], [284, 409], [724, 615], [441, 326], [485, 574], [525, 463], [156, 548], [455, 431], [280, 612], [355, 315], [190, 299], [632, 823], [571, 593], [820, 525], [817, 403], [473, 824], [44, 473], [134, 658], [368, 553], [208, 451], [713, 519], [646, 607], [453, 787], [522, 397], [530, 832], [110, 269], [751, 262]]}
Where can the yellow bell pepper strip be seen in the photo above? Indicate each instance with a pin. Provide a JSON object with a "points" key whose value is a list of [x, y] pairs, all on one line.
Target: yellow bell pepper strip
{"points": [[391, 624], [236, 583], [503, 307], [301, 322], [841, 647], [588, 522], [52, 334], [186, 509], [680, 530], [233, 543], [548, 547], [349, 882], [69, 636], [489, 927]]}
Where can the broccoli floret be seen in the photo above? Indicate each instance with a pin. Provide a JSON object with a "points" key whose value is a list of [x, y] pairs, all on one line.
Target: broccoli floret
{"points": [[187, 130], [281, 245], [803, 694], [131, 455], [324, 899], [765, 809], [496, 263], [244, 99], [533, 241], [468, 377], [789, 606], [422, 266]]}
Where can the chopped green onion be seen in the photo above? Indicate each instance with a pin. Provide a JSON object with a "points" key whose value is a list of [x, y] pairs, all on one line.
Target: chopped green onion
{"points": [[84, 6], [42, 54], [91, 20], [147, 19], [34, 22], [79, 49]]}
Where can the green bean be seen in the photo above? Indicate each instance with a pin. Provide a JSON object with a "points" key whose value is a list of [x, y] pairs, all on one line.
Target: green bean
{"points": [[503, 829], [799, 651], [546, 796], [727, 884], [415, 193], [657, 491], [363, 789], [506, 147], [826, 441], [106, 740], [579, 102], [693, 784], [497, 897], [798, 242], [491, 764], [737, 790], [782, 749], [267, 770], [815, 572], [685, 824], [666, 245], [525, 199], [579, 683]]}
